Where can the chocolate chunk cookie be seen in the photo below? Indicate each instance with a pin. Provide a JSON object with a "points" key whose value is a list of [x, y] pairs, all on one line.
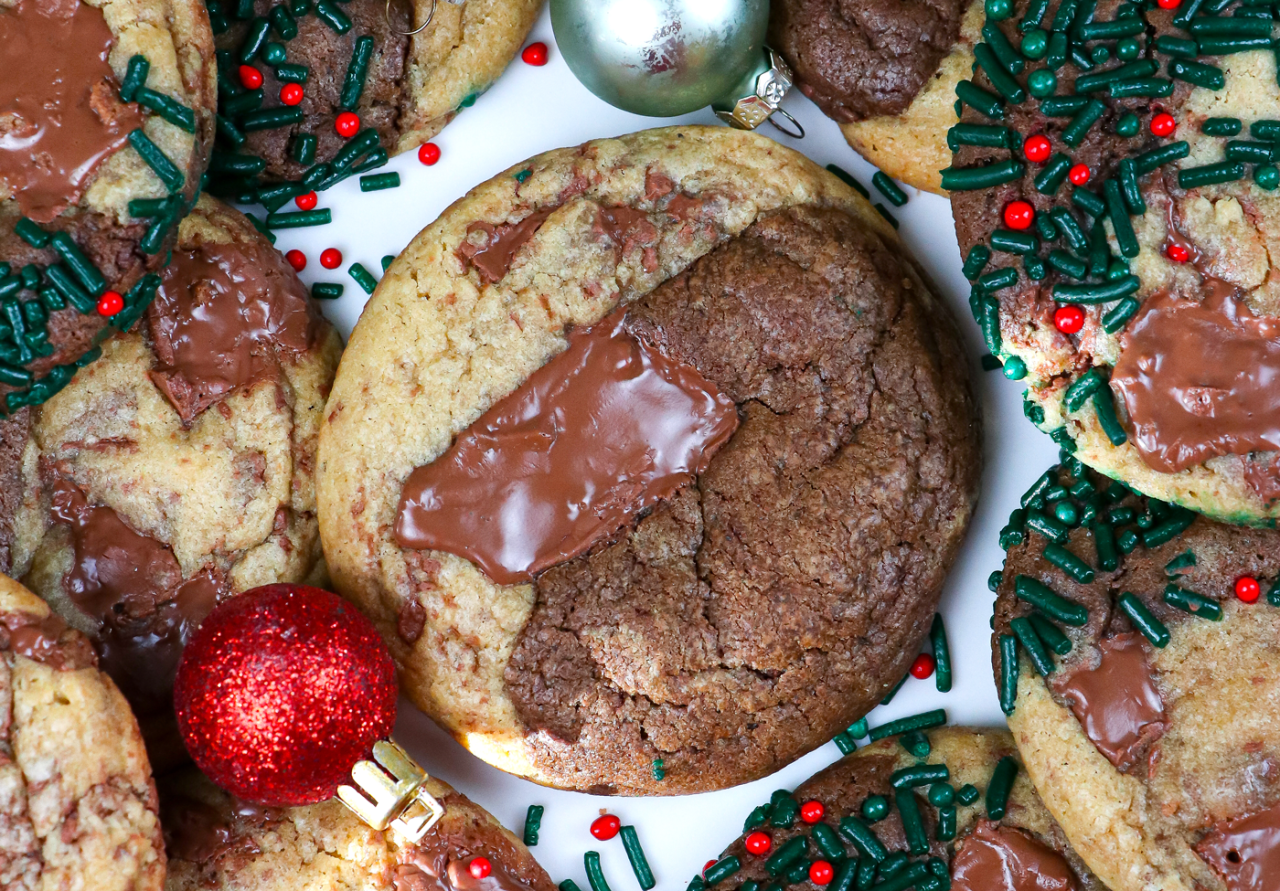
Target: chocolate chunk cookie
{"points": [[315, 92], [217, 842], [957, 813], [885, 70], [1118, 231], [77, 805], [1135, 651], [684, 449], [177, 470], [106, 121]]}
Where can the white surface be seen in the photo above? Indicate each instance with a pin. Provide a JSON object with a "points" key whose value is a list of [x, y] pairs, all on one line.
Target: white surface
{"points": [[530, 110]]}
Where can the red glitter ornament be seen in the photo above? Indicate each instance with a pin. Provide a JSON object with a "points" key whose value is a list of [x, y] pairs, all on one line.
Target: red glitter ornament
{"points": [[1163, 124], [281, 691], [291, 94], [110, 303], [535, 54], [1079, 174], [605, 827], [347, 124], [307, 201], [297, 259], [251, 77], [1248, 589], [428, 153], [1019, 215], [758, 843], [1068, 319], [1177, 253], [812, 811], [331, 258], [821, 872], [922, 667], [1037, 148], [479, 867]]}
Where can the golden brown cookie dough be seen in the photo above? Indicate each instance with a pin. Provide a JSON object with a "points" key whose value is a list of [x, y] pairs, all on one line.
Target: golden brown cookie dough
{"points": [[77, 804], [177, 470], [720, 632], [217, 842], [1153, 739]]}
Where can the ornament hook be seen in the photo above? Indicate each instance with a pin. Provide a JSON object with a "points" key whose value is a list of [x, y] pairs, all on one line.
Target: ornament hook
{"points": [[390, 793], [798, 133], [430, 15]]}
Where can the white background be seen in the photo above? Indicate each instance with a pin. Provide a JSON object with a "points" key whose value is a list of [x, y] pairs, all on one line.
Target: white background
{"points": [[530, 110]]}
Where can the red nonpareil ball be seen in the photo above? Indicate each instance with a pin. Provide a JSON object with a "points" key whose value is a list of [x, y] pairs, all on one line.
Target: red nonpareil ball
{"points": [[1019, 215], [281, 691], [535, 54], [758, 843], [1037, 148], [922, 667], [1079, 174], [250, 77], [812, 811], [605, 827], [297, 259], [479, 867], [307, 201], [347, 124], [331, 258], [291, 94], [1168, 4], [1068, 319], [428, 153], [821, 872], [1163, 124], [1177, 253], [110, 303], [1248, 589]]}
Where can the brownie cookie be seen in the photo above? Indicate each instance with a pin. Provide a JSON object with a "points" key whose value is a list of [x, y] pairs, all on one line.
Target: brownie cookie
{"points": [[885, 70], [1114, 199], [1136, 656], [955, 812], [177, 469], [684, 447], [215, 841], [314, 92], [106, 121], [77, 805]]}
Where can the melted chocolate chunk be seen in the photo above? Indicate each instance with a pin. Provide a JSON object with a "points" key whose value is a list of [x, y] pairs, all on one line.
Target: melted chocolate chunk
{"points": [[48, 641], [1200, 379], [997, 858], [433, 867], [60, 113], [606, 429], [1245, 851], [225, 316], [1117, 703], [200, 833], [490, 250]]}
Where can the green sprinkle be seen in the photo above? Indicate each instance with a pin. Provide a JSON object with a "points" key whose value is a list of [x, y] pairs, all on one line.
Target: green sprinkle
{"points": [[1166, 154], [1050, 634], [1104, 405], [274, 53], [1130, 188], [941, 654], [595, 875], [31, 233], [254, 39], [326, 290], [1082, 388], [755, 819], [946, 823], [1015, 369], [1191, 602], [846, 875], [80, 265], [1177, 46], [1069, 563], [1097, 293], [994, 581], [1144, 86], [1209, 174], [1042, 82], [1114, 319], [784, 811], [282, 22], [290, 73], [644, 875], [848, 179], [922, 721], [844, 743], [379, 181], [1049, 528], [1273, 595], [998, 10], [827, 842], [889, 189], [941, 794], [61, 279], [1225, 46], [894, 692], [387, 260], [1070, 227], [1267, 177], [919, 775], [977, 260], [1128, 125], [357, 71], [1230, 27], [1168, 530], [229, 131], [1034, 267], [245, 102], [980, 100], [1128, 49], [1051, 178], [1151, 627], [1006, 56], [1088, 201], [1080, 125], [1008, 680], [989, 322], [532, 823], [696, 884], [1197, 73], [237, 165], [299, 219], [998, 279], [1034, 647], [1110, 30], [1063, 106], [786, 856], [1119, 213], [912, 821], [1185, 560], [1091, 83], [271, 118], [875, 808], [916, 743], [1000, 786], [798, 873], [135, 76], [303, 148], [1035, 44], [332, 16], [157, 160], [909, 877], [1052, 604], [1068, 264]]}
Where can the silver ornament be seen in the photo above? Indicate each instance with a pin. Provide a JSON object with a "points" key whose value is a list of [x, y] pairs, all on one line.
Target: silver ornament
{"points": [[669, 57]]}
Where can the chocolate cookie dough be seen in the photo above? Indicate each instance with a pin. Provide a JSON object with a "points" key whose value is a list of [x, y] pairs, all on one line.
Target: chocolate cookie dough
{"points": [[77, 805], [715, 445], [106, 121], [1135, 653], [177, 470], [1116, 214], [958, 814], [315, 92], [217, 842]]}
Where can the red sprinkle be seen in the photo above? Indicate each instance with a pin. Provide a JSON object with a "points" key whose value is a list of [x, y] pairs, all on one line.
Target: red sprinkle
{"points": [[1169, 4], [1177, 253], [812, 811], [821, 872], [251, 77], [297, 259], [480, 867], [922, 667], [428, 153], [1037, 148], [1248, 589], [306, 201], [1079, 174], [1019, 215], [291, 94], [605, 827], [110, 303], [1068, 319], [347, 124], [331, 258], [758, 843], [535, 54], [1163, 124]]}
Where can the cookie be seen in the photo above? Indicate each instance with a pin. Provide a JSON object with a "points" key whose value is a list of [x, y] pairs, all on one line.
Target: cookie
{"points": [[751, 561], [1118, 240], [217, 842], [314, 92], [177, 469], [885, 71], [958, 813], [78, 808], [1135, 652], [106, 119]]}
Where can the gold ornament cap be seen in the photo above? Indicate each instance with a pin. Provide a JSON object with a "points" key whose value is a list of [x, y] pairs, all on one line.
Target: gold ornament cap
{"points": [[388, 793], [760, 96]]}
